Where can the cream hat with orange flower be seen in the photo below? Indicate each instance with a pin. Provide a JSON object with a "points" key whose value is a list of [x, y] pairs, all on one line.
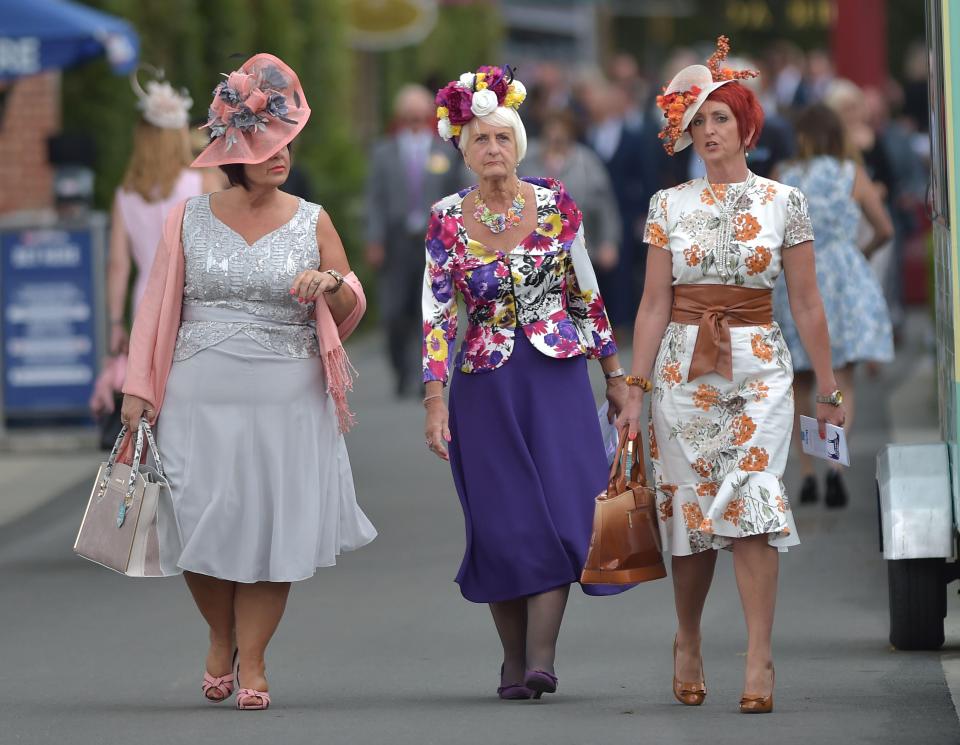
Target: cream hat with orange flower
{"points": [[688, 91]]}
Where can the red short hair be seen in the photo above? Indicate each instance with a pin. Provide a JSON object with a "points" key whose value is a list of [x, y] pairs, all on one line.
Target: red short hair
{"points": [[745, 107]]}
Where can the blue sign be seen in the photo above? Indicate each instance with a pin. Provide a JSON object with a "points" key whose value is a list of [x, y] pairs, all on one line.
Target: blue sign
{"points": [[48, 303]]}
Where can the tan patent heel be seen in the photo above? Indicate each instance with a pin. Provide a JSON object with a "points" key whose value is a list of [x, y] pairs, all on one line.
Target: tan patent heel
{"points": [[751, 704], [688, 694]]}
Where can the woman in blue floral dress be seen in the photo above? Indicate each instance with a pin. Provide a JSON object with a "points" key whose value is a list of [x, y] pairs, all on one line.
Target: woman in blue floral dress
{"points": [[521, 434], [837, 190]]}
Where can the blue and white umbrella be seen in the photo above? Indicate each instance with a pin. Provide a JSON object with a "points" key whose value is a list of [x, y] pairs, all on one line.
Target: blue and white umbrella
{"points": [[39, 35]]}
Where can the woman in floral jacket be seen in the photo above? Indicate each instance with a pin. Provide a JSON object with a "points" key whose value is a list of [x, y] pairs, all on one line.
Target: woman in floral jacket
{"points": [[521, 435], [722, 409]]}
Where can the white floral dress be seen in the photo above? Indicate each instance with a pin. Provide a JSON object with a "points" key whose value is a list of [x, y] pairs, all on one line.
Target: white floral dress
{"points": [[719, 447]]}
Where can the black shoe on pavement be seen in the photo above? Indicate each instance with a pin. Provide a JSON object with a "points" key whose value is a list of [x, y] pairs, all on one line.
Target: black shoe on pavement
{"points": [[836, 495], [808, 490]]}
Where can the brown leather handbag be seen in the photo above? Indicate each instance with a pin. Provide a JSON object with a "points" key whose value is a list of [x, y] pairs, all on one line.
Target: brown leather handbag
{"points": [[625, 544]]}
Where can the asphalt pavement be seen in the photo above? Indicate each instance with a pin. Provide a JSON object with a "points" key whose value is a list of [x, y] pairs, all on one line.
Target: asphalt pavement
{"points": [[383, 649]]}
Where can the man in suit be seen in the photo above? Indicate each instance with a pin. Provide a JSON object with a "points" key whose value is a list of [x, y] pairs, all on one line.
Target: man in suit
{"points": [[409, 170], [620, 147]]}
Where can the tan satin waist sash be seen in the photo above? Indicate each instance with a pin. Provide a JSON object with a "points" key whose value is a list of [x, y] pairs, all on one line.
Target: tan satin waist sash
{"points": [[715, 308]]}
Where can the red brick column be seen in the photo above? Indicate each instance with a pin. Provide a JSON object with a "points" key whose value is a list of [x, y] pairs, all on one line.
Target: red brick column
{"points": [[31, 114]]}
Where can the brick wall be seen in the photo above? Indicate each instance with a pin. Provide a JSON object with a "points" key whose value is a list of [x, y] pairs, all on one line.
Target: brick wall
{"points": [[30, 115]]}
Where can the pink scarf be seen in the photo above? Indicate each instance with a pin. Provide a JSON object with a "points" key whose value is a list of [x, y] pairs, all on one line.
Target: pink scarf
{"points": [[155, 328]]}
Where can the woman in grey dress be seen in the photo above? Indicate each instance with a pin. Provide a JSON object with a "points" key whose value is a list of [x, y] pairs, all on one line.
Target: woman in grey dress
{"points": [[253, 405]]}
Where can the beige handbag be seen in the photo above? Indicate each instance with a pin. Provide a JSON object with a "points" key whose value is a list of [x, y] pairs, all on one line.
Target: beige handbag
{"points": [[129, 525], [625, 543]]}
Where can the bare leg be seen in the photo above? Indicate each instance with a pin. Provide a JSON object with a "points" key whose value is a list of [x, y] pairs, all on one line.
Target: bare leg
{"points": [[803, 391], [510, 617], [692, 576], [259, 608], [214, 597], [544, 616], [756, 564]]}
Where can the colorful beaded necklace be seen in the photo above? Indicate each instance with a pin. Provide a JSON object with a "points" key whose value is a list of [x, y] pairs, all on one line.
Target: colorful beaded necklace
{"points": [[497, 222]]}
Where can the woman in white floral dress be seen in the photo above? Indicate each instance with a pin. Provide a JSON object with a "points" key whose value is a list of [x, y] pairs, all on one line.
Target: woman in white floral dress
{"points": [[721, 412]]}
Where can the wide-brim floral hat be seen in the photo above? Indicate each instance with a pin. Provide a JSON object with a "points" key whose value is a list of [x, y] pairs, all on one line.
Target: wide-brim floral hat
{"points": [[255, 112], [689, 90]]}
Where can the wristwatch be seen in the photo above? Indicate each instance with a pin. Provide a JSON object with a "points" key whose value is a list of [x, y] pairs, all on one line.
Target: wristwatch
{"points": [[337, 276], [834, 399]]}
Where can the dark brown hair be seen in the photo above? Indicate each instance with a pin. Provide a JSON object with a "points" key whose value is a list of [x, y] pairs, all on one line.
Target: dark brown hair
{"points": [[819, 132], [235, 174]]}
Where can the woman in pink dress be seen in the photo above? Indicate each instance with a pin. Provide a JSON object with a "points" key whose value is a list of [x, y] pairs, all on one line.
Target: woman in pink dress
{"points": [[157, 177]]}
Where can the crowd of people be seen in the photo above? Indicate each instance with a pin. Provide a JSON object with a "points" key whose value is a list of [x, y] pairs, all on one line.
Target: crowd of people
{"points": [[717, 216], [613, 113], [598, 133]]}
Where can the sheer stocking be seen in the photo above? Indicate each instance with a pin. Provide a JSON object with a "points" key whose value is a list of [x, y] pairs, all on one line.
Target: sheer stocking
{"points": [[544, 616]]}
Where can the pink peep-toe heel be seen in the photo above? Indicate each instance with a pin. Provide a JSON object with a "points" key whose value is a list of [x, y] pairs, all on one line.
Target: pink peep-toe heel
{"points": [[243, 693], [251, 693], [223, 684]]}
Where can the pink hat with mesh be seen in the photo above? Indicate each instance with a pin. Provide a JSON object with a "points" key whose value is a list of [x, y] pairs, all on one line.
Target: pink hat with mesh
{"points": [[255, 112]]}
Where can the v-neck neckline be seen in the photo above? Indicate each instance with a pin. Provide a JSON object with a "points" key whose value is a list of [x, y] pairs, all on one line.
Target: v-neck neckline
{"points": [[262, 237]]}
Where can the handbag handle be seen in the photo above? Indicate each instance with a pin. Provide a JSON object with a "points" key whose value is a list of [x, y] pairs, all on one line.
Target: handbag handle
{"points": [[111, 461], [142, 428], [627, 450]]}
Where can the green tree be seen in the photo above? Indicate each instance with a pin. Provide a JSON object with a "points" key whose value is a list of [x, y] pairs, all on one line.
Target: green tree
{"points": [[228, 39], [172, 38], [465, 37], [98, 103], [279, 31], [327, 148]]}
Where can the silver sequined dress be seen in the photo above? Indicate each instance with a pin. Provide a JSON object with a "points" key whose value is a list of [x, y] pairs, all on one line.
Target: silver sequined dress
{"points": [[260, 476]]}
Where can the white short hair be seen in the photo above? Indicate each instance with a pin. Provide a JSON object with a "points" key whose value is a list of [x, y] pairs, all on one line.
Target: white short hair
{"points": [[504, 116]]}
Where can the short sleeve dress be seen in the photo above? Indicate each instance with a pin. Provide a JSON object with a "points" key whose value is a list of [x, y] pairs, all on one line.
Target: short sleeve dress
{"points": [[719, 447]]}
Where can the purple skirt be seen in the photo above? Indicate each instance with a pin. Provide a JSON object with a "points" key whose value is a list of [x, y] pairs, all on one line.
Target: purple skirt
{"points": [[527, 460]]}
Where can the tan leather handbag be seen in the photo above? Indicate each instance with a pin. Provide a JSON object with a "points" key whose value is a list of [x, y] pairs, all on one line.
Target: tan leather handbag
{"points": [[625, 544]]}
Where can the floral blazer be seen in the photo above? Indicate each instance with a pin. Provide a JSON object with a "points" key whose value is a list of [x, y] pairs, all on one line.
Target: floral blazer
{"points": [[546, 286]]}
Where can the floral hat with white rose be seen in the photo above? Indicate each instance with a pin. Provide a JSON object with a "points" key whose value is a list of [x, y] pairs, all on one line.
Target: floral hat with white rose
{"points": [[255, 112], [476, 94]]}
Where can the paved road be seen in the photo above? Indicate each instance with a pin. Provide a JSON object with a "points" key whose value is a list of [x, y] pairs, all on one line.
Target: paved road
{"points": [[383, 649]]}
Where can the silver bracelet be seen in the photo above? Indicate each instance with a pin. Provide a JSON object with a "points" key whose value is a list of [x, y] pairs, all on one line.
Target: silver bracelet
{"points": [[618, 373]]}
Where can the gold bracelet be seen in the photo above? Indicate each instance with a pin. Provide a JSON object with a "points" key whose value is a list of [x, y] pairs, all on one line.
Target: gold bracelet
{"points": [[429, 398], [640, 382]]}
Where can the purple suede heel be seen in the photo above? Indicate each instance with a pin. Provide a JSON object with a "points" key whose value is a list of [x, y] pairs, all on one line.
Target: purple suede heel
{"points": [[514, 691], [540, 682]]}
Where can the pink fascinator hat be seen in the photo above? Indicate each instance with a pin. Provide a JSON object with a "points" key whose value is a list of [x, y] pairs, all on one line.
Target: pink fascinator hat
{"points": [[255, 112]]}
